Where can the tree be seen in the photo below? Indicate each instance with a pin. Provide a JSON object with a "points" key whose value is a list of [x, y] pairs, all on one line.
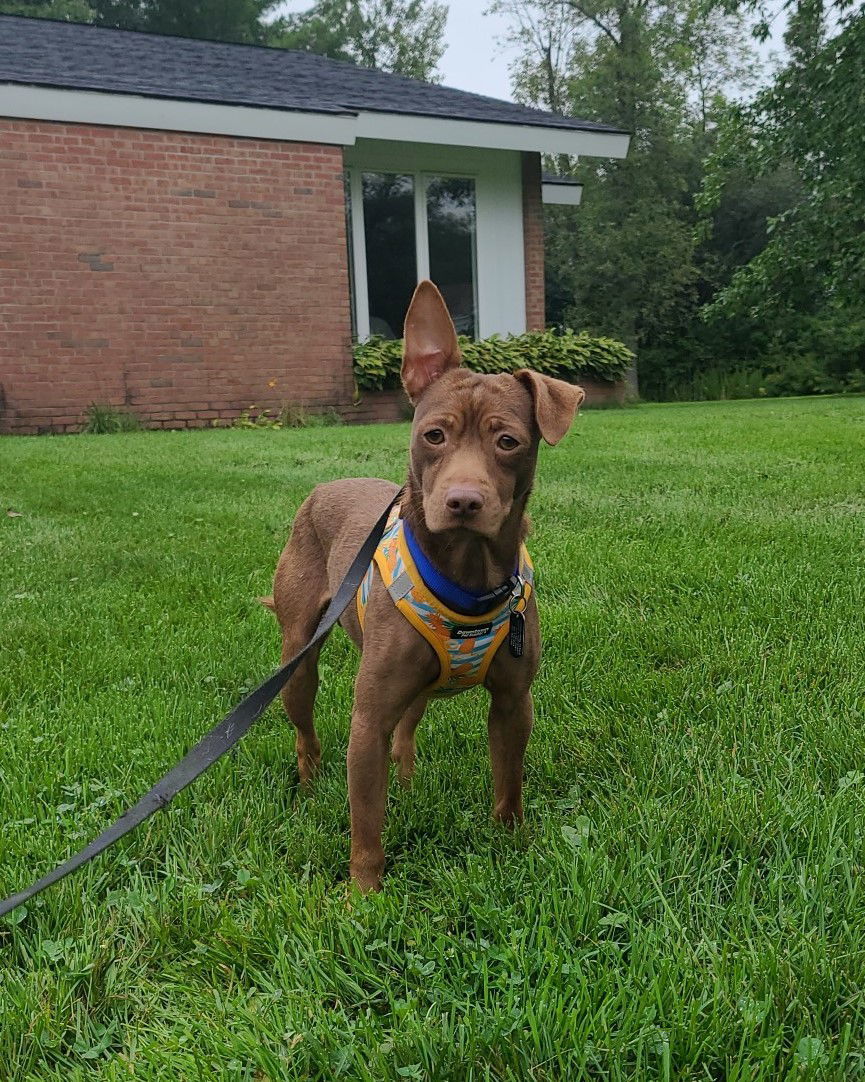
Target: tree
{"points": [[808, 121], [715, 58], [75, 11], [325, 29], [218, 20], [627, 258], [404, 36], [629, 262]]}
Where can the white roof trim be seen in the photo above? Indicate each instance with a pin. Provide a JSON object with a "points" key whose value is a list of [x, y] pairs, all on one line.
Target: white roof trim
{"points": [[137, 111], [492, 136], [562, 195]]}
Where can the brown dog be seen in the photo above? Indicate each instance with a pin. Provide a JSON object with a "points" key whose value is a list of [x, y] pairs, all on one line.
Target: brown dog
{"points": [[474, 445]]}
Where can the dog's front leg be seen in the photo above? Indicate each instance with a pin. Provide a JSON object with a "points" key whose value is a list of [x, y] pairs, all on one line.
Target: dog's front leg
{"points": [[367, 793], [509, 727], [388, 684]]}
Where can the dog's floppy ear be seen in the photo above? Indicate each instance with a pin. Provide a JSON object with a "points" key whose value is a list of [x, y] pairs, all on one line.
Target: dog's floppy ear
{"points": [[430, 347], [556, 402]]}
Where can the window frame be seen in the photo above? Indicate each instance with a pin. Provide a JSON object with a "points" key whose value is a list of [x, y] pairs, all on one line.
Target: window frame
{"points": [[357, 270]]}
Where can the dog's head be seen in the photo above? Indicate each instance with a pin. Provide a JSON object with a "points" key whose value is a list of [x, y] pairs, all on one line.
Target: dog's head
{"points": [[475, 438]]}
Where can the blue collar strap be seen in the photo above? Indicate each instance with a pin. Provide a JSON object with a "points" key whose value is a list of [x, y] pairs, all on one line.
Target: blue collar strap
{"points": [[455, 597]]}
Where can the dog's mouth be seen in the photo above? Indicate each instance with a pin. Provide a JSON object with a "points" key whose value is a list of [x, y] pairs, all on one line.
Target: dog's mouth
{"points": [[464, 524], [481, 522]]}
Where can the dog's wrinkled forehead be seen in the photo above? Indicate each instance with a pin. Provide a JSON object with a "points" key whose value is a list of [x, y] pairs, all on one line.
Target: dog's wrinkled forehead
{"points": [[469, 397]]}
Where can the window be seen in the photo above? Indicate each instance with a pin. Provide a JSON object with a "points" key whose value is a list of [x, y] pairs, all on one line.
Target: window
{"points": [[451, 217], [389, 239], [404, 227]]}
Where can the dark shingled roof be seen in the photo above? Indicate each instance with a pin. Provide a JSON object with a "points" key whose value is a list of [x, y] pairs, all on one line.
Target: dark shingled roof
{"points": [[59, 54]]}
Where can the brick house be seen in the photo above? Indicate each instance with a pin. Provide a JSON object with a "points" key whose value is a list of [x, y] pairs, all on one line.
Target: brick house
{"points": [[191, 227]]}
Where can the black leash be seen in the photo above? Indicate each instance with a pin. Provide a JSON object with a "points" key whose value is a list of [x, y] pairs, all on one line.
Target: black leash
{"points": [[221, 738]]}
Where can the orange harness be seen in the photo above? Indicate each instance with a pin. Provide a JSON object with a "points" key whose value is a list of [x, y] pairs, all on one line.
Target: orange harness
{"points": [[464, 645]]}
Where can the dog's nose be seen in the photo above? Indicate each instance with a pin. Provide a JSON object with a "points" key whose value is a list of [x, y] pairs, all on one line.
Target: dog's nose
{"points": [[464, 501]]}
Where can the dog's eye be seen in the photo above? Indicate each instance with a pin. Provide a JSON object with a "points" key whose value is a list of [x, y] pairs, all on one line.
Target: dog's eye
{"points": [[434, 436], [508, 443]]}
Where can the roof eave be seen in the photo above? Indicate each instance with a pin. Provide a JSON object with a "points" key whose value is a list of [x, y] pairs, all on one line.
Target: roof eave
{"points": [[262, 122], [491, 135]]}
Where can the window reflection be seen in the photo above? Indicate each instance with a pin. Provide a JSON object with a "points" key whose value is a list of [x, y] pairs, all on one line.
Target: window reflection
{"points": [[391, 260], [451, 224]]}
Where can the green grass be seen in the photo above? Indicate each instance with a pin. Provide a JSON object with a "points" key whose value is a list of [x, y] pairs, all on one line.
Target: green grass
{"points": [[687, 898]]}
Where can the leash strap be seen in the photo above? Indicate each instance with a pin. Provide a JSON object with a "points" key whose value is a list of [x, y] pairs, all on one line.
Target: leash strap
{"points": [[221, 738]]}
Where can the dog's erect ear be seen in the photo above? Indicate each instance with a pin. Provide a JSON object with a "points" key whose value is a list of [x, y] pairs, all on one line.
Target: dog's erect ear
{"points": [[430, 341], [556, 402]]}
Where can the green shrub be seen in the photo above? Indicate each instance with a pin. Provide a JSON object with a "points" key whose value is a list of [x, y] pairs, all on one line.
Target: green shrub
{"points": [[804, 354], [289, 416], [704, 385], [774, 378], [809, 374], [106, 419], [566, 355]]}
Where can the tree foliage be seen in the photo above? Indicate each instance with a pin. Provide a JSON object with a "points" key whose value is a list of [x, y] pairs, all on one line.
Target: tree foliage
{"points": [[76, 11], [404, 36], [807, 122], [218, 20], [626, 263], [767, 240]]}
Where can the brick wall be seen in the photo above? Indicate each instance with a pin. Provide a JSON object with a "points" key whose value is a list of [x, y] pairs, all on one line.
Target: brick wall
{"points": [[183, 277], [374, 407], [533, 241]]}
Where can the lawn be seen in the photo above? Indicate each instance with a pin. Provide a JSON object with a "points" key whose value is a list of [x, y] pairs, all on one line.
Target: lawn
{"points": [[687, 897]]}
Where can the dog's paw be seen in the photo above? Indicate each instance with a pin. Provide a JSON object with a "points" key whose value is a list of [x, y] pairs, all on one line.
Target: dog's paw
{"points": [[508, 814], [308, 761], [366, 872], [404, 758]]}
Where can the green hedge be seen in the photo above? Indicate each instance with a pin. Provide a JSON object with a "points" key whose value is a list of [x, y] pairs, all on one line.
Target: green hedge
{"points": [[565, 355]]}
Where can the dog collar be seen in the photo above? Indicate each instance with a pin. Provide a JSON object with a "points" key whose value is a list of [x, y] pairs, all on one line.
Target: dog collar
{"points": [[452, 595]]}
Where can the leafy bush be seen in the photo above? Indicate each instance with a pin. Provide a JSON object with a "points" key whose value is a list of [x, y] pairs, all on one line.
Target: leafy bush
{"points": [[774, 378], [107, 419], [565, 355], [710, 383], [808, 374], [804, 354], [289, 416]]}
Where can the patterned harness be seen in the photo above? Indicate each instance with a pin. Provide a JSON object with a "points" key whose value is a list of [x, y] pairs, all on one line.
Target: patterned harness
{"points": [[465, 645]]}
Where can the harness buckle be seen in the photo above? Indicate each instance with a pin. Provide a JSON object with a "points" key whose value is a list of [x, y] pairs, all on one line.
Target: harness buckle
{"points": [[518, 599]]}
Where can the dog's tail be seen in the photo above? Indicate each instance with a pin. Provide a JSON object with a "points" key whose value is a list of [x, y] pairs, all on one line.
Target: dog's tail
{"points": [[268, 603]]}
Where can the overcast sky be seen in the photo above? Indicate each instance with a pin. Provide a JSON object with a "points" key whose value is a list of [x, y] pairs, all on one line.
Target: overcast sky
{"points": [[472, 61]]}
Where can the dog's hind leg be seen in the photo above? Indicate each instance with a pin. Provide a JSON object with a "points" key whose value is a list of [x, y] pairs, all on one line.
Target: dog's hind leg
{"points": [[300, 596], [298, 698], [403, 746]]}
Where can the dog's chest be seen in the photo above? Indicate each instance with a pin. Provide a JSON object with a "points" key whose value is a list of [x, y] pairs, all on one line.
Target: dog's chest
{"points": [[464, 645]]}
